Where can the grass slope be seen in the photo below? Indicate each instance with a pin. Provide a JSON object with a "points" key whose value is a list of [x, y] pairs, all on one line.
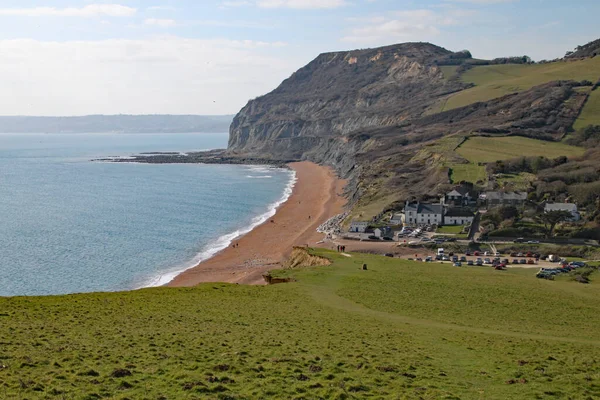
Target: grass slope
{"points": [[467, 172], [399, 330], [590, 115], [494, 81], [489, 149]]}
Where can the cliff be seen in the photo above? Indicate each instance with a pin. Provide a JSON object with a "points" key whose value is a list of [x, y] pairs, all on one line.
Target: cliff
{"points": [[338, 94]]}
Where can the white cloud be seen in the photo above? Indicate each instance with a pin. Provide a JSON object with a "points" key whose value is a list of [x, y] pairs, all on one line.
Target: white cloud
{"points": [[301, 4], [163, 23], [239, 3], [406, 25], [92, 10], [159, 75]]}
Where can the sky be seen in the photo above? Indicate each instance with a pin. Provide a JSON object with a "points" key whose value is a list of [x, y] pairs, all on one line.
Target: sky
{"points": [[79, 57]]}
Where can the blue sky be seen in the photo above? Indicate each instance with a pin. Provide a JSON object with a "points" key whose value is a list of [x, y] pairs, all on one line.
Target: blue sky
{"points": [[210, 57]]}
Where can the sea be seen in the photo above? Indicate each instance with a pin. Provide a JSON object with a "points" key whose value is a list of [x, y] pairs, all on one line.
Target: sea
{"points": [[69, 224]]}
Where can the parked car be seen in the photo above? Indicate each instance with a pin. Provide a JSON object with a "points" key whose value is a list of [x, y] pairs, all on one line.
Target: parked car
{"points": [[487, 261], [522, 261], [529, 254], [505, 261], [455, 259], [470, 262], [519, 240], [500, 267], [520, 255], [388, 238], [463, 259], [451, 240], [458, 264], [479, 262], [533, 241], [468, 254], [515, 261], [373, 237], [476, 254], [531, 261], [445, 258]]}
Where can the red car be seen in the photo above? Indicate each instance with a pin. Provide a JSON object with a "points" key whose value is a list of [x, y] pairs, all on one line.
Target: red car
{"points": [[476, 254]]}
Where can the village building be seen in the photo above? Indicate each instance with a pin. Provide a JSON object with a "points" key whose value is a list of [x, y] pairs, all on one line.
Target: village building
{"points": [[385, 231], [569, 207], [358, 226], [499, 199], [458, 216], [396, 219], [423, 214], [460, 196]]}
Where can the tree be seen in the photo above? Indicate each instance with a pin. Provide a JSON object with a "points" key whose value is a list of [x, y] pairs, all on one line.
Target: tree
{"points": [[552, 218]]}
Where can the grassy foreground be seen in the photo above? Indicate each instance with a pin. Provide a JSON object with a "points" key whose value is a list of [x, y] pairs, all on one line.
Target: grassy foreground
{"points": [[398, 330]]}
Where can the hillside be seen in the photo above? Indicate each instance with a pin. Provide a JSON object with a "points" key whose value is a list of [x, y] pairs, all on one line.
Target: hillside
{"points": [[373, 114], [400, 329], [116, 123]]}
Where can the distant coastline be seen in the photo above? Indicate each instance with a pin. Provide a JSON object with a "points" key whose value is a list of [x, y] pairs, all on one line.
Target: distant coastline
{"points": [[117, 124]]}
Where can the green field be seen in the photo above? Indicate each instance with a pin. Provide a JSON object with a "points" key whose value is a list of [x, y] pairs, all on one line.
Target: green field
{"points": [[494, 81], [468, 172], [490, 149], [590, 115], [450, 230], [400, 329]]}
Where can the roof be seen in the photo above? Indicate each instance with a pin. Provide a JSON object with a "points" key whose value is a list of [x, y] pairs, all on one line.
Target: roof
{"points": [[561, 207], [459, 212], [424, 208], [519, 196], [430, 209], [359, 223]]}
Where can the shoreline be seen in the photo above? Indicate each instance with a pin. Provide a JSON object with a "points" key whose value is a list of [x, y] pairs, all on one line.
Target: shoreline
{"points": [[315, 197]]}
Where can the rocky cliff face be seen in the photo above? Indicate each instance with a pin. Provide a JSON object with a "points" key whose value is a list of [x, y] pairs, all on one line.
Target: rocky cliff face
{"points": [[311, 114]]}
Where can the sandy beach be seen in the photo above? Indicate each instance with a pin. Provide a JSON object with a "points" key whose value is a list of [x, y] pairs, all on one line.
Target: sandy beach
{"points": [[316, 197]]}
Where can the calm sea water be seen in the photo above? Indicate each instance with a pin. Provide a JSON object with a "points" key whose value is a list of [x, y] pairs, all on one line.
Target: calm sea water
{"points": [[70, 225]]}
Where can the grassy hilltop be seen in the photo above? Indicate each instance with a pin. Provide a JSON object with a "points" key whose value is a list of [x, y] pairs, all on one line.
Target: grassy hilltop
{"points": [[398, 330]]}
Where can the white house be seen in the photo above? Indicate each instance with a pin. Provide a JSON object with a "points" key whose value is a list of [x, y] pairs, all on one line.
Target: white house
{"points": [[358, 226], [423, 214], [569, 207], [396, 219], [458, 216], [386, 231]]}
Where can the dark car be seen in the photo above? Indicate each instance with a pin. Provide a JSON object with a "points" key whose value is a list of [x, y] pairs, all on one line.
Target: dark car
{"points": [[479, 263], [505, 261], [468, 254], [463, 259], [458, 264], [470, 262], [388, 238], [389, 255], [451, 240], [515, 261], [373, 237], [523, 261], [519, 240]]}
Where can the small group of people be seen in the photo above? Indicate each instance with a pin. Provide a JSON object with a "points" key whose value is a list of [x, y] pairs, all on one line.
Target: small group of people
{"points": [[235, 245], [341, 248]]}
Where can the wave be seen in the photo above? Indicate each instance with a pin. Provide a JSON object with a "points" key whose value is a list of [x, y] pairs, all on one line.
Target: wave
{"points": [[225, 241], [259, 177]]}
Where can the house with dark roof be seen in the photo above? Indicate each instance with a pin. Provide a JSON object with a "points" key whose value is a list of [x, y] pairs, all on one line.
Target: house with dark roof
{"points": [[458, 216], [461, 195], [423, 214], [499, 199], [569, 207]]}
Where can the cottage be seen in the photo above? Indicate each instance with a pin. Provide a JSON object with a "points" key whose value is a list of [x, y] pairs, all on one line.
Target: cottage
{"points": [[498, 199], [396, 219], [423, 213], [458, 216], [358, 226], [569, 207], [386, 231], [462, 195]]}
